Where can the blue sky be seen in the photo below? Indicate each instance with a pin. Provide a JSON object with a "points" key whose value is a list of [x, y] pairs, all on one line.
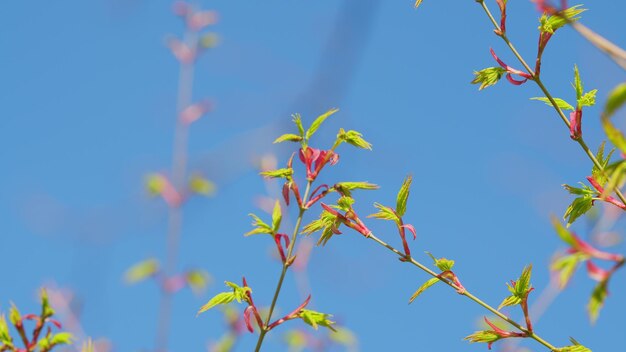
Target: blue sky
{"points": [[87, 97]]}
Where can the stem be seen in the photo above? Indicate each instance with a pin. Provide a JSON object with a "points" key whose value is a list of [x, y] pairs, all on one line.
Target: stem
{"points": [[296, 229], [465, 292], [175, 216], [545, 91]]}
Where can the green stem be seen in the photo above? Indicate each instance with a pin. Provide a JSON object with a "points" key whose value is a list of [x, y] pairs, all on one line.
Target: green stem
{"points": [[464, 292], [546, 92], [286, 264]]}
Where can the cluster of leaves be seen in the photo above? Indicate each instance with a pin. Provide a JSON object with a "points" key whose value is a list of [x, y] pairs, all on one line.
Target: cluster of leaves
{"points": [[41, 338]]}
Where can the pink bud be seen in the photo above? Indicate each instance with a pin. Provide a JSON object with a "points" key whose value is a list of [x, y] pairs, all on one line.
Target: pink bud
{"points": [[194, 112], [199, 20], [181, 51]]}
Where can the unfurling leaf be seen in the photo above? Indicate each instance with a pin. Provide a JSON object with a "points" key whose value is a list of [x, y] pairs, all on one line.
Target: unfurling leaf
{"points": [[488, 77], [578, 83], [62, 338], [141, 271], [285, 173], [442, 263], [46, 310], [353, 137], [5, 336], [574, 347], [260, 227], [403, 196], [597, 173], [522, 285], [385, 213], [549, 24], [588, 99], [288, 137], [350, 186], [562, 104], [484, 336], [316, 319], [423, 288], [276, 217], [318, 121], [510, 301]]}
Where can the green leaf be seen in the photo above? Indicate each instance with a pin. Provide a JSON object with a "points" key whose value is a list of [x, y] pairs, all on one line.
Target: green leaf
{"points": [[298, 121], [318, 121], [616, 99], [596, 302], [197, 280], [583, 191], [316, 319], [442, 263], [579, 207], [510, 301], [238, 293], [566, 266], [62, 338], [343, 337], [597, 173], [575, 347], [260, 227], [350, 186], [617, 171], [578, 83], [522, 285], [14, 315], [385, 213], [285, 173], [562, 104], [155, 184], [141, 271], [277, 216], [345, 203], [225, 344], [588, 99], [296, 340], [563, 233], [201, 185], [288, 137], [550, 24], [423, 288], [220, 298], [46, 310], [5, 336], [484, 336], [403, 196], [353, 137], [488, 77]]}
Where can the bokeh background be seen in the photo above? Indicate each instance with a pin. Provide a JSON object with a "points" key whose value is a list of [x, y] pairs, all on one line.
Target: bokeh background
{"points": [[88, 104]]}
